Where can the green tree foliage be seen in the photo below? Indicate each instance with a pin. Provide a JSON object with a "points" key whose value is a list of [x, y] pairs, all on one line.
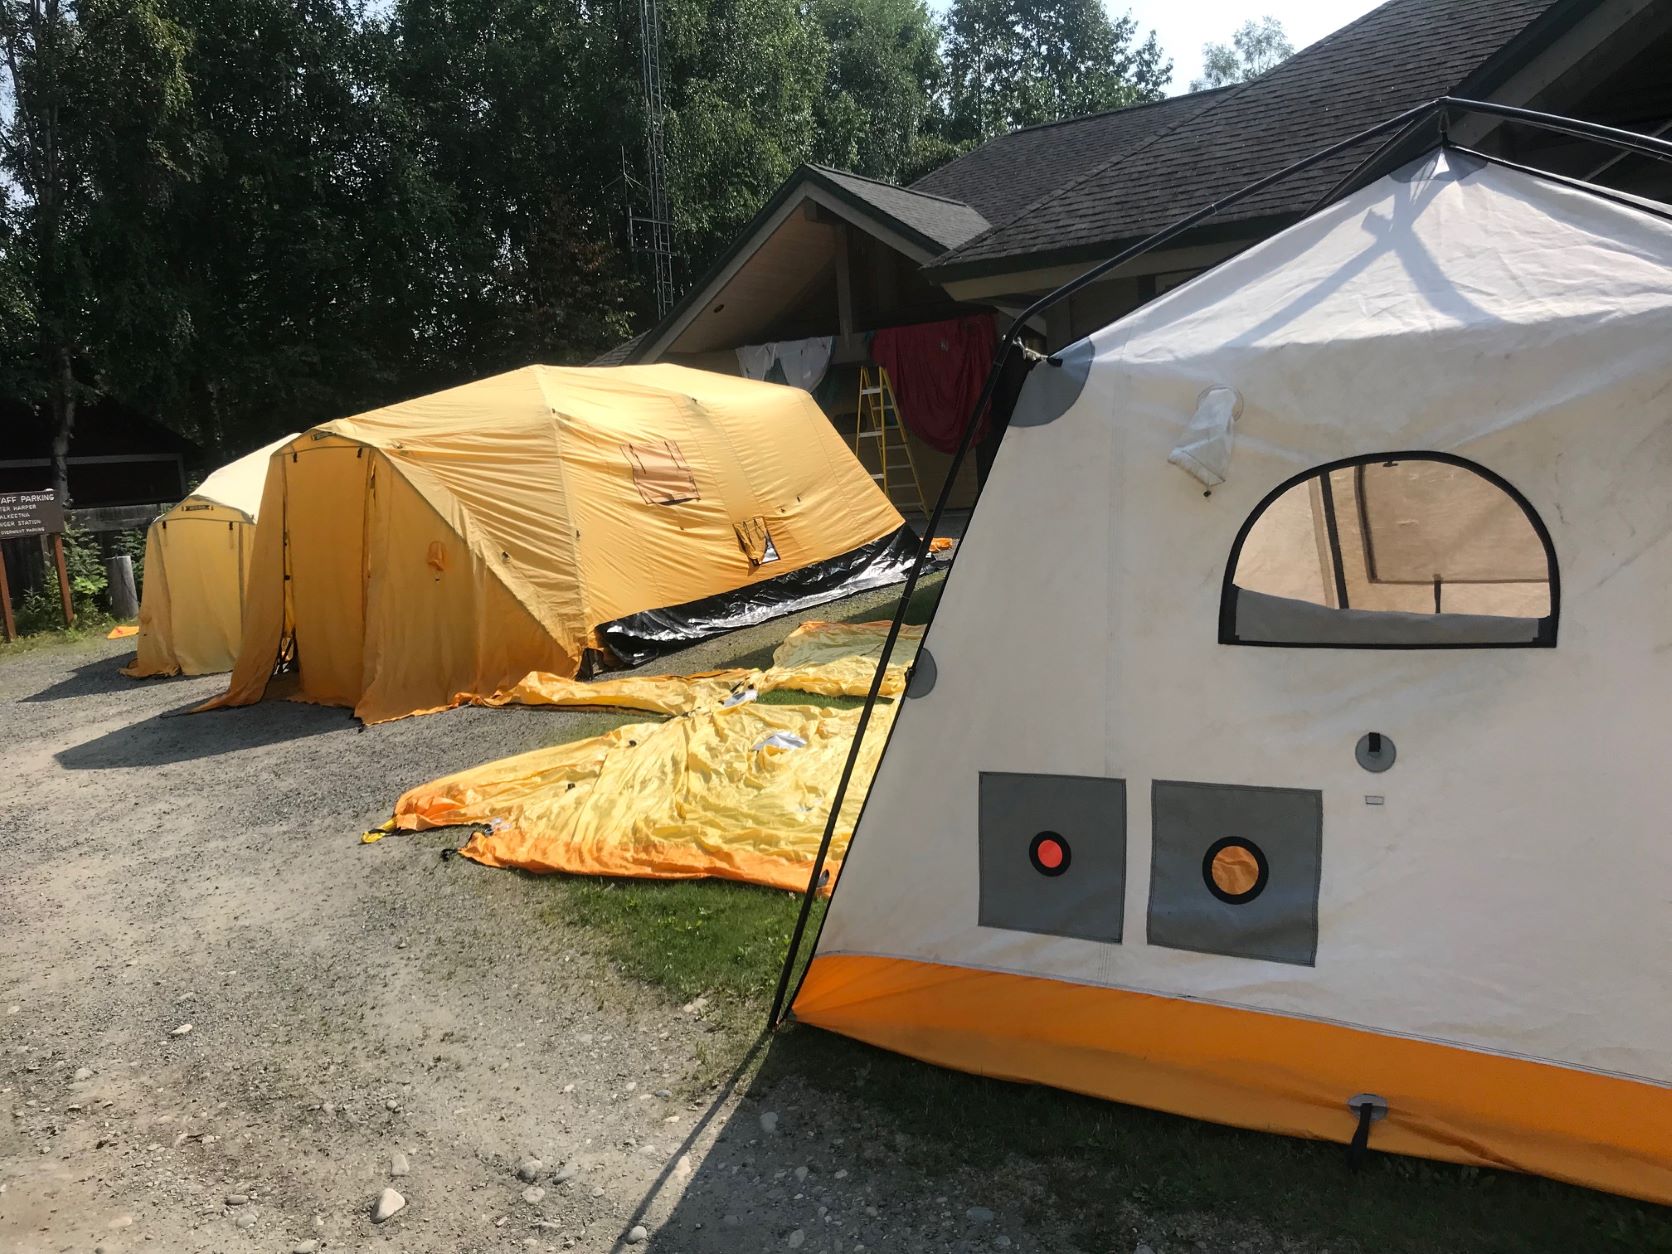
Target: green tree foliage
{"points": [[248, 216], [1257, 46], [744, 77], [92, 147], [1013, 63], [884, 76]]}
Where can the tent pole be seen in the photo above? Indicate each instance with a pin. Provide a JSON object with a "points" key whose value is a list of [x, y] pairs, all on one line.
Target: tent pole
{"points": [[1408, 120], [1631, 141], [1627, 141], [1369, 163]]}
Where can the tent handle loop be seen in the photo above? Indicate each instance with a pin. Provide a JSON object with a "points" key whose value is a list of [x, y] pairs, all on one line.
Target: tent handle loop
{"points": [[1370, 1109]]}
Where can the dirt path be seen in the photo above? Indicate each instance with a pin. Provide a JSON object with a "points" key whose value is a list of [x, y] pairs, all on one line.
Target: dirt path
{"points": [[349, 1003]]}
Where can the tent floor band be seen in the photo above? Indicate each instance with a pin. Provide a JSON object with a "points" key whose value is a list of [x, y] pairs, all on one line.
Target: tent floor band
{"points": [[1250, 1069]]}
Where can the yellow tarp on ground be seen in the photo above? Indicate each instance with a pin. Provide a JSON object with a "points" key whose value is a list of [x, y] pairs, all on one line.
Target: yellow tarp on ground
{"points": [[718, 790], [829, 659], [702, 794]]}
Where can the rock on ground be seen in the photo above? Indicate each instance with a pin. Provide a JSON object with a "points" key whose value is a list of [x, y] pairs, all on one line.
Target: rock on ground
{"points": [[389, 1203]]}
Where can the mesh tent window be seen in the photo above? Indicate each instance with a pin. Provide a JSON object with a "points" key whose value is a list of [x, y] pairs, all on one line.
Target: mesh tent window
{"points": [[1392, 551], [661, 473]]}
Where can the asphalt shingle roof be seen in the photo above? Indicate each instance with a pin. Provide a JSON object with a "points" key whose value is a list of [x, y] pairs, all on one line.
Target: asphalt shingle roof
{"points": [[1008, 173], [947, 221], [1390, 60], [618, 355]]}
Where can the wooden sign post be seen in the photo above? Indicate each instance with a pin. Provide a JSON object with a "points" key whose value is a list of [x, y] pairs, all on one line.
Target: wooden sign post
{"points": [[63, 578], [6, 603], [34, 514]]}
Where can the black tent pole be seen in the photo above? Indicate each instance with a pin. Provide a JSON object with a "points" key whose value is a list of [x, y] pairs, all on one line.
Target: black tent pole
{"points": [[1631, 141], [1411, 118]]}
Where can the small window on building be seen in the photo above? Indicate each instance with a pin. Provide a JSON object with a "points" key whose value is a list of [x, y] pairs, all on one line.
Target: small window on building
{"points": [[1402, 551], [660, 473]]}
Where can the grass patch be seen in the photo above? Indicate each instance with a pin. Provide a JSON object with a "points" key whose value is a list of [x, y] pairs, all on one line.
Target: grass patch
{"points": [[89, 626], [690, 937]]}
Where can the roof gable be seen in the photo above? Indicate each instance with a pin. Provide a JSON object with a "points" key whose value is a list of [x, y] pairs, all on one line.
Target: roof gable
{"points": [[920, 225], [944, 219]]}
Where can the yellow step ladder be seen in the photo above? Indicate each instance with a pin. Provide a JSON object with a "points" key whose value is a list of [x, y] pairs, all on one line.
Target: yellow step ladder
{"points": [[877, 426]]}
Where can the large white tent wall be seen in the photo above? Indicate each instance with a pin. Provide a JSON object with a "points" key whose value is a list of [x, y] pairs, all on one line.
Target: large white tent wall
{"points": [[1287, 888]]}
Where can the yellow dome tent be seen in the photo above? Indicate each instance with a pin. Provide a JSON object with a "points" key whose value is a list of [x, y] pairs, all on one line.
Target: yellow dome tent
{"points": [[196, 558], [543, 520]]}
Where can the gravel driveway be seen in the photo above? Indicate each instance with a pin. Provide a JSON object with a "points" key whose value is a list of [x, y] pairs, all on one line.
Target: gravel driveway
{"points": [[225, 1025]]}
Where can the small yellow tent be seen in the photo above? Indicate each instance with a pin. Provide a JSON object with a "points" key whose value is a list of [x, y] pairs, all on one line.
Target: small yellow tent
{"points": [[196, 559], [540, 520]]}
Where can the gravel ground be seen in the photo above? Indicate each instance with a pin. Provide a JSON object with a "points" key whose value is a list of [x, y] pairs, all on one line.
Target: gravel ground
{"points": [[225, 1025]]}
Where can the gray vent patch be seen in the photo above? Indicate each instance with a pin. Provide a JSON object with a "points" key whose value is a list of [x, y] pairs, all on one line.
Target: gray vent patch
{"points": [[1053, 854], [1234, 870]]}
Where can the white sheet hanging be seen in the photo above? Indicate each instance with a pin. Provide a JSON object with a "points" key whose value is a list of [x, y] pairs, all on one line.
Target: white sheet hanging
{"points": [[804, 362], [757, 359]]}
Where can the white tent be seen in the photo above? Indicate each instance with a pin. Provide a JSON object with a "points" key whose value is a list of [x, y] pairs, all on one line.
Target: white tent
{"points": [[1415, 870]]}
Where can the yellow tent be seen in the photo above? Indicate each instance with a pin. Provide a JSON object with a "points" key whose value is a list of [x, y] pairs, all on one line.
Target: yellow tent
{"points": [[541, 520], [196, 558]]}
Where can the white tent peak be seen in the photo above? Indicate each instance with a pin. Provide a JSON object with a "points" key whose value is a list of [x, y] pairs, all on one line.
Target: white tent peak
{"points": [[1451, 241]]}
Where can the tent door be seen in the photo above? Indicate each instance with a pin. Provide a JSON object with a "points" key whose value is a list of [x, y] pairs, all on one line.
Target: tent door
{"points": [[325, 527]]}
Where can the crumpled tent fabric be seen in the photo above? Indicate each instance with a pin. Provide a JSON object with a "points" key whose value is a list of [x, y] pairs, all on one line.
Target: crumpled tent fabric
{"points": [[728, 788], [197, 557], [830, 659], [840, 659], [698, 795], [451, 544]]}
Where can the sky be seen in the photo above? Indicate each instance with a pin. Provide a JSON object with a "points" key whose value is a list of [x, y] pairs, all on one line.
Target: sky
{"points": [[1185, 25]]}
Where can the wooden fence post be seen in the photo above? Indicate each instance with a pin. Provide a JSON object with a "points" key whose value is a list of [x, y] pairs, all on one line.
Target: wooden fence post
{"points": [[6, 602], [63, 579]]}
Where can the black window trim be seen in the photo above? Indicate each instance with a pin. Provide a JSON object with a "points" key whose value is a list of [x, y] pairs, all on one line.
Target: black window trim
{"points": [[1546, 637]]}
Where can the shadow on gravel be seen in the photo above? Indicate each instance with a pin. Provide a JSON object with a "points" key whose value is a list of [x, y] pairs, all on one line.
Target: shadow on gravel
{"points": [[157, 741], [704, 1210], [93, 678], [1065, 1172]]}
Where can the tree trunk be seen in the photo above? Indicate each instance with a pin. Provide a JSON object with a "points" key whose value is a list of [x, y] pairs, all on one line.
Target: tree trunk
{"points": [[63, 422]]}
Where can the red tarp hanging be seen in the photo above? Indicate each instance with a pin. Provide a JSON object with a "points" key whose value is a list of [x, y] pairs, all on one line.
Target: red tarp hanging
{"points": [[937, 369]]}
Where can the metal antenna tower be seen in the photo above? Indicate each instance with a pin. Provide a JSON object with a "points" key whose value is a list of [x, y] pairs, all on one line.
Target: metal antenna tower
{"points": [[653, 233]]}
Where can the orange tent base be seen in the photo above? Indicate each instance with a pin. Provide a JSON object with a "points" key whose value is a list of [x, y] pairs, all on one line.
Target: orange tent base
{"points": [[1251, 1069]]}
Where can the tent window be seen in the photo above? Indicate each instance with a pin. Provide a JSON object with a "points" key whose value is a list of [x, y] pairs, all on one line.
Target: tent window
{"points": [[660, 473], [1398, 550], [756, 541]]}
